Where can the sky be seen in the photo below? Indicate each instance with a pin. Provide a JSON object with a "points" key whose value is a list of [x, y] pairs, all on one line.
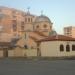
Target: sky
{"points": [[60, 12]]}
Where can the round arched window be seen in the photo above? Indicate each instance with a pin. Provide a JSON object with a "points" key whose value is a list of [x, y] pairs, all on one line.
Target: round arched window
{"points": [[37, 26], [61, 47], [67, 48], [45, 26]]}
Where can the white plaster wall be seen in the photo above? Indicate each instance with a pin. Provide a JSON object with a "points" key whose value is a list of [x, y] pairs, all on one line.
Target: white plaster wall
{"points": [[18, 52], [52, 48], [10, 53], [31, 52]]}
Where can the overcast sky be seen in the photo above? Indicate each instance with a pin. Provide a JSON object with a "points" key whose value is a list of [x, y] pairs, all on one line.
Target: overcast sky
{"points": [[60, 12]]}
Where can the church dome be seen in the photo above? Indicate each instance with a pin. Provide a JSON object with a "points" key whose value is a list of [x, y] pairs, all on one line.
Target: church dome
{"points": [[42, 18]]}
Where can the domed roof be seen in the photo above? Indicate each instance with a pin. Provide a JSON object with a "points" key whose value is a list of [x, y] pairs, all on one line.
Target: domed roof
{"points": [[53, 32], [42, 18]]}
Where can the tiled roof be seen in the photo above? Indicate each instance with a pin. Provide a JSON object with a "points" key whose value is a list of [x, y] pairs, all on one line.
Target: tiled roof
{"points": [[40, 33], [37, 35], [57, 38], [35, 39], [42, 18]]}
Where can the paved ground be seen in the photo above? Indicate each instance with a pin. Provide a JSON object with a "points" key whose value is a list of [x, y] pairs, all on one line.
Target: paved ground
{"points": [[23, 67]]}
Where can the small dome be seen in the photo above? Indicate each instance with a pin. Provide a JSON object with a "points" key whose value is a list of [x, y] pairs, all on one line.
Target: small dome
{"points": [[53, 32], [42, 18]]}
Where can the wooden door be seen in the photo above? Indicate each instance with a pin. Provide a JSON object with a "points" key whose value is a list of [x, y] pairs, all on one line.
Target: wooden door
{"points": [[5, 52]]}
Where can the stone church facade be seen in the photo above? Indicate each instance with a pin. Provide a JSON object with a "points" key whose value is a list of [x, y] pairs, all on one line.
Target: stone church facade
{"points": [[24, 24], [23, 34], [25, 27]]}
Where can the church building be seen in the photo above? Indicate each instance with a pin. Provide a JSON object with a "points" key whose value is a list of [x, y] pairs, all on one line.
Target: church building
{"points": [[26, 35]]}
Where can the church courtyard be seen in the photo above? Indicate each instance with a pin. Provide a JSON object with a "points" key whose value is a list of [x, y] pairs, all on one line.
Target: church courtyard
{"points": [[36, 67]]}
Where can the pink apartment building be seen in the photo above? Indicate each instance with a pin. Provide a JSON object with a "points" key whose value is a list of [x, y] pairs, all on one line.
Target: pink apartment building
{"points": [[69, 31]]}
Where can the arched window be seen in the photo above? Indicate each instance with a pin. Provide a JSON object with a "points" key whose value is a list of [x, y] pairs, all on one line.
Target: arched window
{"points": [[67, 48], [37, 26], [61, 48], [31, 19], [14, 27], [73, 47], [45, 26], [28, 19]]}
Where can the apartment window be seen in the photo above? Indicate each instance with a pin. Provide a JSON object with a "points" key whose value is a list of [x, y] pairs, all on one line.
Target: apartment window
{"points": [[22, 27], [14, 21], [69, 30], [13, 12], [61, 48], [22, 23], [73, 47], [25, 19], [67, 48], [14, 27]]}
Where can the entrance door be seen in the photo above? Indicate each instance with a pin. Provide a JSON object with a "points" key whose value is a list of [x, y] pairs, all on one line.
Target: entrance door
{"points": [[5, 53]]}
